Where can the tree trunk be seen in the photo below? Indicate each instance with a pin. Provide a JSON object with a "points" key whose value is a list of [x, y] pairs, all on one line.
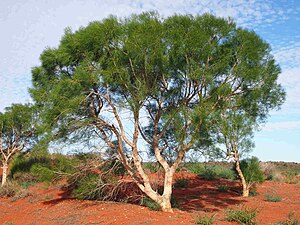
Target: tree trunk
{"points": [[166, 197], [4, 173], [166, 204], [246, 190], [164, 200], [246, 187]]}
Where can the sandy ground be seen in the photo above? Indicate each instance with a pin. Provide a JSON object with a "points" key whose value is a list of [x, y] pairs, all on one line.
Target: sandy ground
{"points": [[51, 205]]}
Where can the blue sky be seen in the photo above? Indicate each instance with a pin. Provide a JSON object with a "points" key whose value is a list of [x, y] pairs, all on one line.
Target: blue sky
{"points": [[28, 27]]}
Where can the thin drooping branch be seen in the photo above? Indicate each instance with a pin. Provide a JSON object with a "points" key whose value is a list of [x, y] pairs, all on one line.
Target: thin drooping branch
{"points": [[117, 117]]}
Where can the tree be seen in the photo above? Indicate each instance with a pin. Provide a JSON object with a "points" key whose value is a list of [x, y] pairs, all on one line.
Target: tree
{"points": [[235, 132], [116, 77], [16, 133], [252, 173]]}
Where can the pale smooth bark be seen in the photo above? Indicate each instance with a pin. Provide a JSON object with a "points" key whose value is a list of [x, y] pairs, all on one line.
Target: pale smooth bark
{"points": [[4, 172], [246, 187], [138, 174]]}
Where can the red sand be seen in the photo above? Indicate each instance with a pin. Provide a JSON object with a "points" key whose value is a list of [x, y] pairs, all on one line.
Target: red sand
{"points": [[53, 206]]}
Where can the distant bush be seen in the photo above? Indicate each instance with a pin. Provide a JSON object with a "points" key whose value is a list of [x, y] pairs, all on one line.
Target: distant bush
{"points": [[215, 171], [42, 173], [290, 221], [196, 168], [273, 197], [227, 174], [63, 164], [269, 170], [222, 188], [281, 172], [242, 216], [25, 179], [152, 167], [205, 219], [211, 171], [290, 177], [42, 168], [24, 163], [181, 183]]}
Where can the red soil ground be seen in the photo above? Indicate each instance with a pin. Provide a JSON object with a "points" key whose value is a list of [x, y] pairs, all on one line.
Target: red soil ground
{"points": [[50, 205]]}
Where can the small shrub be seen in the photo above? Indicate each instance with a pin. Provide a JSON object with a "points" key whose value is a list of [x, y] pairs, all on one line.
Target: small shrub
{"points": [[24, 177], [181, 183], [8, 223], [205, 219], [24, 164], [86, 188], [251, 170], [253, 191], [42, 173], [93, 185], [13, 190], [149, 203], [277, 176], [196, 168], [227, 174], [268, 169], [27, 184], [152, 205], [174, 202], [242, 216], [9, 189], [48, 197], [115, 167], [290, 177], [290, 221], [42, 168], [63, 164], [273, 197], [22, 193], [151, 167], [222, 188], [209, 173]]}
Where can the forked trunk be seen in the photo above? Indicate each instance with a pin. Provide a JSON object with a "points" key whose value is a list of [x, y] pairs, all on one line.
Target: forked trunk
{"points": [[166, 205], [166, 197], [163, 200], [246, 190], [246, 187], [4, 173]]}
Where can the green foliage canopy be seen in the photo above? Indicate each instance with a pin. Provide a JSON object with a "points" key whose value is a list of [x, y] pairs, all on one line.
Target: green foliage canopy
{"points": [[17, 128], [251, 170], [180, 71]]}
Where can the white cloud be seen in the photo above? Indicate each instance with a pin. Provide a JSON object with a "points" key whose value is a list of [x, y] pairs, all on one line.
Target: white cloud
{"points": [[289, 56], [290, 80], [282, 126], [13, 90], [28, 27]]}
